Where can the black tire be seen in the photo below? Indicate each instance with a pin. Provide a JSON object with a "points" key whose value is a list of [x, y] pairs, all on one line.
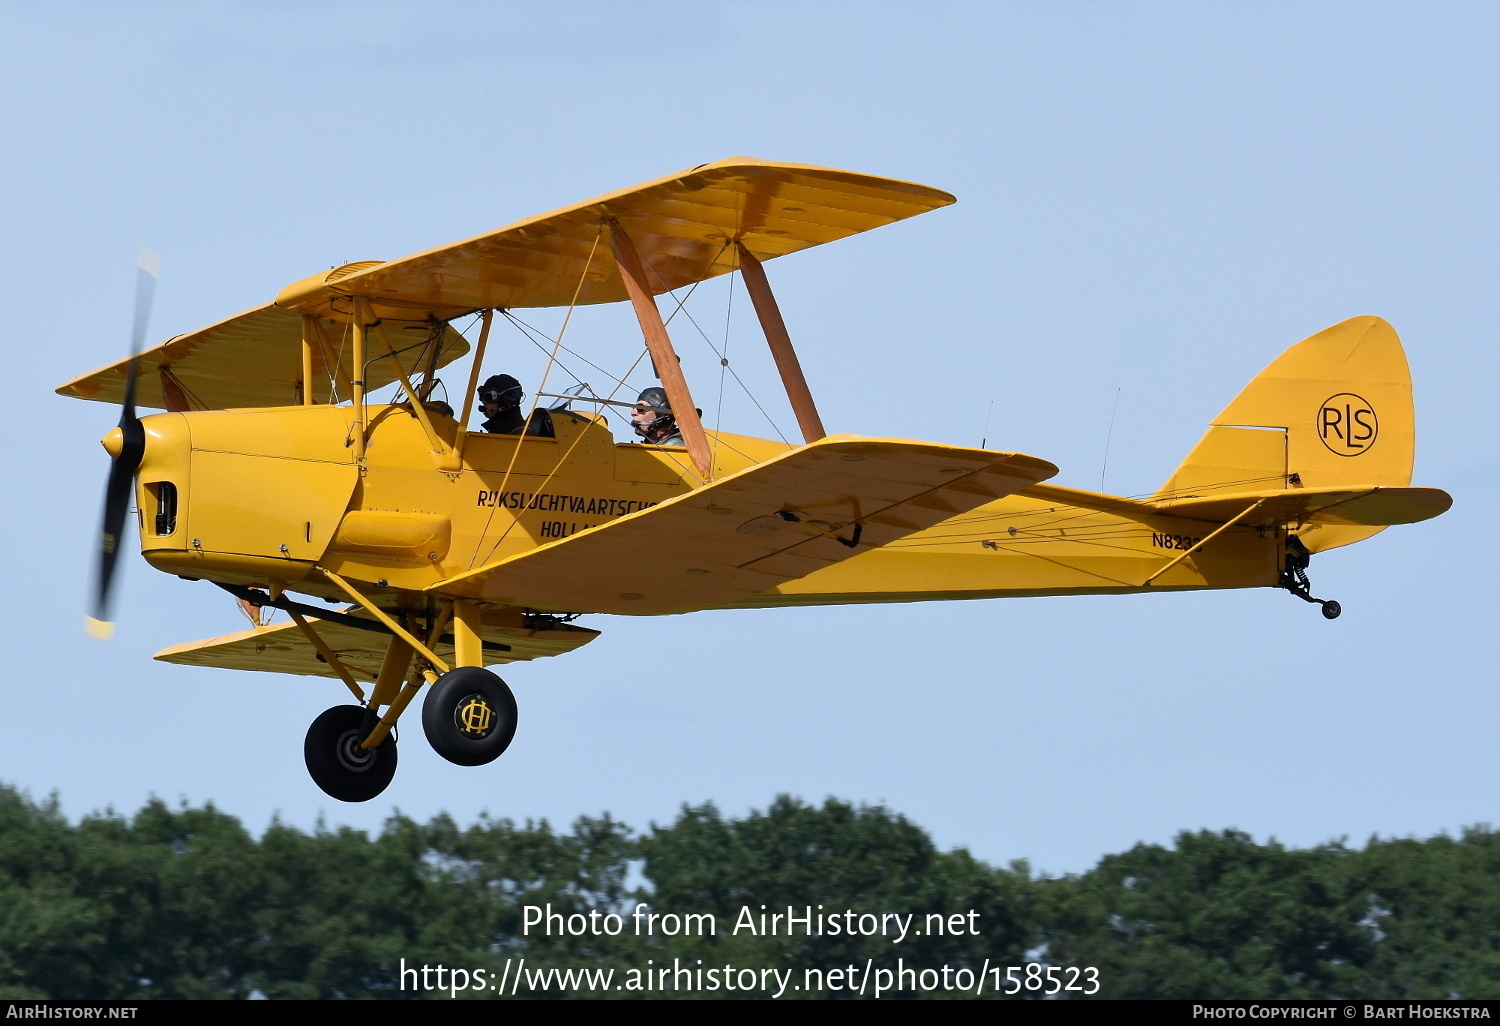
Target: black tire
{"points": [[469, 716], [1332, 609], [343, 770]]}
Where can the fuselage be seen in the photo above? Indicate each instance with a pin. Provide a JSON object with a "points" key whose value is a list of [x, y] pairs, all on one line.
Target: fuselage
{"points": [[263, 496]]}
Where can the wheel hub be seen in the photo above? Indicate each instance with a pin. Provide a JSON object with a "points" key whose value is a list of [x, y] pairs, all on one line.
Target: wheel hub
{"points": [[474, 716], [352, 757]]}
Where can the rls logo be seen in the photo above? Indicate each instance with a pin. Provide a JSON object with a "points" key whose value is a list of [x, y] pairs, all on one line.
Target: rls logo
{"points": [[1347, 424]]}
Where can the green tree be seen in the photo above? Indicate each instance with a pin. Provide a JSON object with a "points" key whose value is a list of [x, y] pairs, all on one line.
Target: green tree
{"points": [[840, 857], [184, 903], [1219, 916], [1434, 909]]}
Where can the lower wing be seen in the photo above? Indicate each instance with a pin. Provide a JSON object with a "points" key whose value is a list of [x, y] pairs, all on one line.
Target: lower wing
{"points": [[744, 534], [285, 649]]}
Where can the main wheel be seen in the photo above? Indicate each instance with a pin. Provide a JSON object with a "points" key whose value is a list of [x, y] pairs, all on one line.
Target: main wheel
{"points": [[469, 716], [338, 765], [1332, 609]]}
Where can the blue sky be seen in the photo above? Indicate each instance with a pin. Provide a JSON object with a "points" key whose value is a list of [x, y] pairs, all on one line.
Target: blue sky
{"points": [[1154, 200]]}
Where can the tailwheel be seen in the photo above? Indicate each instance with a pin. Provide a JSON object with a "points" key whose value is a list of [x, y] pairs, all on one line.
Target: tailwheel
{"points": [[469, 716], [1294, 577], [338, 764]]}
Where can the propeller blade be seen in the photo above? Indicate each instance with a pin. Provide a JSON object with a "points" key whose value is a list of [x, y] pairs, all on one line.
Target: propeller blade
{"points": [[119, 488], [147, 269]]}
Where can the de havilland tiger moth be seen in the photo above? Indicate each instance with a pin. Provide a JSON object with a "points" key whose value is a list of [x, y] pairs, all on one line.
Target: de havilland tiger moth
{"points": [[273, 474]]}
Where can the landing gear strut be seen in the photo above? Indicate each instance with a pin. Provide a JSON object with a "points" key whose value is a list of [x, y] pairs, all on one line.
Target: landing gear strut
{"points": [[469, 714], [1294, 577]]}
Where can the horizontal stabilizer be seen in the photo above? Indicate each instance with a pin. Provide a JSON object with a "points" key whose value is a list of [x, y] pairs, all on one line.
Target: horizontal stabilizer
{"points": [[750, 531], [283, 648], [1369, 506], [1359, 505]]}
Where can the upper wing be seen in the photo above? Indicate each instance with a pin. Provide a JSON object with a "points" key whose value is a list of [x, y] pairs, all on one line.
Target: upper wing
{"points": [[255, 359], [283, 648], [778, 520], [682, 224]]}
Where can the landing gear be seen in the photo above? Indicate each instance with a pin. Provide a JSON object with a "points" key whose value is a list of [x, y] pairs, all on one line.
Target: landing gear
{"points": [[338, 764], [469, 716], [1295, 580]]}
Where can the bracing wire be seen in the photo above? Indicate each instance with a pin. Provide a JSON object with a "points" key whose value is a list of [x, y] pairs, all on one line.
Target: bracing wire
{"points": [[394, 355], [516, 452], [529, 332], [723, 358], [561, 460], [338, 357], [536, 338], [533, 333]]}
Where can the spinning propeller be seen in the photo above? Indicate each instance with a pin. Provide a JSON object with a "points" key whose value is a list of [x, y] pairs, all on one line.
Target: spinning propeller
{"points": [[126, 444]]}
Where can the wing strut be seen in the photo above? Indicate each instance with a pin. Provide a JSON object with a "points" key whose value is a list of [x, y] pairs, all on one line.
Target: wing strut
{"points": [[1206, 539], [360, 370], [668, 367], [454, 461], [781, 345], [334, 662], [305, 386], [381, 615]]}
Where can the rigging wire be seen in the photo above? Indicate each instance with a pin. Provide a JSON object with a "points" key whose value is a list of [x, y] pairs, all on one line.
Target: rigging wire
{"points": [[527, 331], [344, 339], [557, 465], [192, 397], [532, 332], [520, 439], [722, 357], [436, 334], [724, 360], [329, 361], [394, 355]]}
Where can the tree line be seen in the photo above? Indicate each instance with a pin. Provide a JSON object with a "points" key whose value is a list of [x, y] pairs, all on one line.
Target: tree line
{"points": [[186, 903]]}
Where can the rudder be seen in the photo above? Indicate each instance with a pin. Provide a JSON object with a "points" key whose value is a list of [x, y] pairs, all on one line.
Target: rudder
{"points": [[1334, 409]]}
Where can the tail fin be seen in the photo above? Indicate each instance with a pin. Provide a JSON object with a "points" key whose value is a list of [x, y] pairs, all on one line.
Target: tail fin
{"points": [[1334, 409]]}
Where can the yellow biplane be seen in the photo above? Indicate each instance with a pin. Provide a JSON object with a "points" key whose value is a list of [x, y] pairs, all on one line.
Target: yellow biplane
{"points": [[274, 474]]}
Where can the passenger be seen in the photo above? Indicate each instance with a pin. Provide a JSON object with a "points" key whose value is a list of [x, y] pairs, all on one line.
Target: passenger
{"points": [[652, 419], [500, 400]]}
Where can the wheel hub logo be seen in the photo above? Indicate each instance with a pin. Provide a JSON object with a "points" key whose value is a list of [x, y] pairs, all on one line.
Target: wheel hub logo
{"points": [[476, 716], [1347, 424]]}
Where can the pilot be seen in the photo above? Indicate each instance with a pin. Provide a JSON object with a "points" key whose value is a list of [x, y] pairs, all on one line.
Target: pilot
{"points": [[652, 419], [500, 399]]}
